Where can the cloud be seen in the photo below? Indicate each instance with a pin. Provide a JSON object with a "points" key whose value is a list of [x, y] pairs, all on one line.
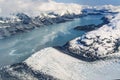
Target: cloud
{"points": [[34, 7], [0, 10], [7, 6], [1, 0]]}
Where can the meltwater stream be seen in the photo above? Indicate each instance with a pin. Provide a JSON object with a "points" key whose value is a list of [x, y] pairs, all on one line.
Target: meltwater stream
{"points": [[17, 48]]}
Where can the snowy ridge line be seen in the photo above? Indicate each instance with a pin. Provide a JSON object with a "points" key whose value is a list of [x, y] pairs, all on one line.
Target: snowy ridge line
{"points": [[101, 9], [99, 43], [102, 43], [83, 58], [34, 8], [22, 21], [59, 66], [16, 71]]}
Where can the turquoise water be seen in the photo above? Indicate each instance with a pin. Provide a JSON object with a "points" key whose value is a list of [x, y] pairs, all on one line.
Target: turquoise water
{"points": [[17, 48]]}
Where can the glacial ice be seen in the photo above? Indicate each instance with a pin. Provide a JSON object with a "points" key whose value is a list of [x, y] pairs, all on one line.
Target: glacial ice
{"points": [[52, 63]]}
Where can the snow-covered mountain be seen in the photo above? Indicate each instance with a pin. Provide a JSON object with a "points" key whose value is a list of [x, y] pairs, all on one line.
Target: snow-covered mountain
{"points": [[54, 64], [98, 43], [105, 9], [71, 62], [43, 13], [47, 13]]}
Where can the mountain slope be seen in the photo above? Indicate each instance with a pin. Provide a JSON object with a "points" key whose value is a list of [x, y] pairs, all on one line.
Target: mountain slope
{"points": [[44, 15], [98, 43], [52, 62]]}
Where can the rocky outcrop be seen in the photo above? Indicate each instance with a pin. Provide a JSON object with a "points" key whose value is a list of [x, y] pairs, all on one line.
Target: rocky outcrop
{"points": [[78, 56], [54, 64], [22, 22], [99, 43], [98, 10], [66, 64], [86, 27], [21, 71], [91, 27]]}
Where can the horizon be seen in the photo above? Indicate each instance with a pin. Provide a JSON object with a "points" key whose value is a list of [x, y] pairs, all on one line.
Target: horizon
{"points": [[92, 2]]}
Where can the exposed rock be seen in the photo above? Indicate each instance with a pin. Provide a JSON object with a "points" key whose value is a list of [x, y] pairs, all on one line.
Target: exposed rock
{"points": [[21, 71], [86, 27], [99, 43], [23, 22], [91, 27], [54, 64]]}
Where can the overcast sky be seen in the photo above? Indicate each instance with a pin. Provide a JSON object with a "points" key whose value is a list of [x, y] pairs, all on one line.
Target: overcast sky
{"points": [[92, 2]]}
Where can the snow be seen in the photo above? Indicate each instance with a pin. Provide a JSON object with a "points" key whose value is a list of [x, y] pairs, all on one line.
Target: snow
{"points": [[47, 63], [53, 62], [104, 9], [102, 44], [98, 43], [111, 8], [43, 13], [30, 9], [27, 16]]}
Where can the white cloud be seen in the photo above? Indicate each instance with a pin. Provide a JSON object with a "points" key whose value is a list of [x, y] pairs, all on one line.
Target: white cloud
{"points": [[8, 6], [1, 0], [0, 10], [34, 7]]}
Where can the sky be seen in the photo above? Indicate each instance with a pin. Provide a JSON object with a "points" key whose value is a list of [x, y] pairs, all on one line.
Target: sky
{"points": [[34, 6], [92, 2]]}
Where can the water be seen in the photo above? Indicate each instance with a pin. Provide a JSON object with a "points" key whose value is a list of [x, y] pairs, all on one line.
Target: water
{"points": [[19, 47]]}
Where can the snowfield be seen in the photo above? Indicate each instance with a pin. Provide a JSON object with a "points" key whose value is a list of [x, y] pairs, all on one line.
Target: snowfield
{"points": [[53, 64], [22, 19], [17, 21], [34, 8], [100, 47], [25, 18], [101, 9], [98, 43], [95, 55]]}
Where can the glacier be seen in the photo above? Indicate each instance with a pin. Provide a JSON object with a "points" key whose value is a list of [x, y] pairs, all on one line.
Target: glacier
{"points": [[22, 21], [54, 64], [95, 55], [18, 47]]}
